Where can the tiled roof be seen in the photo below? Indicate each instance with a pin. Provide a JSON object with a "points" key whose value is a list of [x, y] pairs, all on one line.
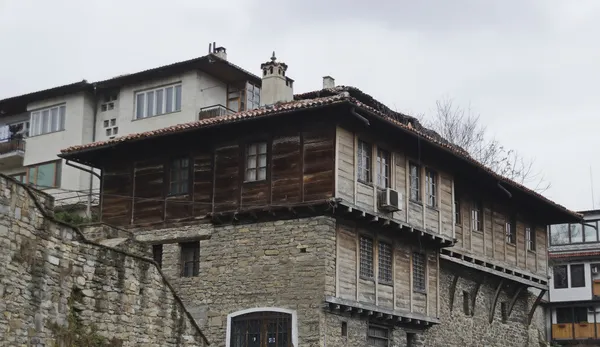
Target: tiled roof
{"points": [[230, 118], [573, 254], [322, 98]]}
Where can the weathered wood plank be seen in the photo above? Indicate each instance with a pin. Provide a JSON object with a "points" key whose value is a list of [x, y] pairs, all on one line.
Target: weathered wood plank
{"points": [[318, 155], [149, 191], [117, 194], [285, 180], [203, 183], [227, 178]]}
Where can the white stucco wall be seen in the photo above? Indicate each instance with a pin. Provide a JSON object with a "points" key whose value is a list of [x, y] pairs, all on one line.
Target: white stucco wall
{"points": [[572, 294], [198, 90]]}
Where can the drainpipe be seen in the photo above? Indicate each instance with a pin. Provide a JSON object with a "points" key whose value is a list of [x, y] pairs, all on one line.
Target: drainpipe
{"points": [[88, 210]]}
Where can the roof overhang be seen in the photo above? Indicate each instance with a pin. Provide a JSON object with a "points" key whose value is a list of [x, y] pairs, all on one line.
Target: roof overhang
{"points": [[17, 104]]}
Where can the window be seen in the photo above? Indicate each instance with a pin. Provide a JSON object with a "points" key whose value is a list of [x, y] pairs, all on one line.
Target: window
{"points": [[560, 276], [511, 230], [344, 329], [564, 315], [383, 168], [577, 276], [157, 254], [476, 217], [576, 233], [419, 272], [45, 175], [466, 303], [457, 212], [530, 238], [21, 177], [366, 257], [385, 262], [415, 182], [378, 336], [253, 96], [110, 128], [589, 232], [190, 259], [561, 234], [262, 329], [108, 102], [431, 187], [580, 314], [179, 176], [48, 120], [22, 126], [159, 101], [256, 162], [364, 162]]}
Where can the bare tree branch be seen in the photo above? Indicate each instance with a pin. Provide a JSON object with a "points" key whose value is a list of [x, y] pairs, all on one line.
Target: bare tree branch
{"points": [[462, 128]]}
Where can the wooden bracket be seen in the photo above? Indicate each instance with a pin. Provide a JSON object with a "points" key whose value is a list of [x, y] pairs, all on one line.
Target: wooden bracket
{"points": [[453, 290], [535, 305], [474, 297], [495, 300], [513, 300]]}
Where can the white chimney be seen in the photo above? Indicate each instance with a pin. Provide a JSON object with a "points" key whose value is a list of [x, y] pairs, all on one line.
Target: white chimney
{"points": [[221, 52], [276, 87], [328, 82]]}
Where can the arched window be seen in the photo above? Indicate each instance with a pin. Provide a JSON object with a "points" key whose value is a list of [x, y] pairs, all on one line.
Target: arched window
{"points": [[264, 328]]}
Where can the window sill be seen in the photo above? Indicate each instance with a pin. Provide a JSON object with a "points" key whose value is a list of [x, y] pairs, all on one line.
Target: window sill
{"points": [[531, 251], [477, 231], [386, 283], [369, 184], [511, 244], [433, 208], [33, 136], [179, 195], [156, 115], [365, 278], [255, 181], [415, 202], [424, 292]]}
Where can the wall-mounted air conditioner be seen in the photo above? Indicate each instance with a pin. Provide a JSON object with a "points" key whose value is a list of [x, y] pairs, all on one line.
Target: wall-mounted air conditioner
{"points": [[390, 200]]}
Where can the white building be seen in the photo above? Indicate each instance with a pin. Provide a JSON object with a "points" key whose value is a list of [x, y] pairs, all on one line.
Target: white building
{"points": [[84, 112], [573, 309]]}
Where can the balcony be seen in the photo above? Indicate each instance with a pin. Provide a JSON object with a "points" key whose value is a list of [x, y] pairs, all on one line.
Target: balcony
{"points": [[11, 153], [575, 331], [214, 111]]}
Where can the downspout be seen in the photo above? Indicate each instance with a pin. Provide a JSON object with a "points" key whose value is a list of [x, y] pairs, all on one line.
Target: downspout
{"points": [[355, 114], [504, 189], [92, 173]]}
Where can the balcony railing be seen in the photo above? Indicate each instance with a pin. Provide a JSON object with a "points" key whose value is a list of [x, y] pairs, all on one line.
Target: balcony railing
{"points": [[12, 145], [214, 111]]}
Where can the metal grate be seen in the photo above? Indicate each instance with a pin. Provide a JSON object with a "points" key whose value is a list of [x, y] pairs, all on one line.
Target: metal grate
{"points": [[378, 336], [190, 259], [385, 262], [262, 329], [419, 272], [366, 257]]}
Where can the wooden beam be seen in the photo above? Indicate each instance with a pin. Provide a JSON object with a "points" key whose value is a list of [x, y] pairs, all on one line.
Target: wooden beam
{"points": [[513, 300], [453, 290], [495, 300], [474, 297], [535, 305]]}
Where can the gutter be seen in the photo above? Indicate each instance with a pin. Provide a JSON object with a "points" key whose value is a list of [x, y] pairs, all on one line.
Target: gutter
{"points": [[91, 183]]}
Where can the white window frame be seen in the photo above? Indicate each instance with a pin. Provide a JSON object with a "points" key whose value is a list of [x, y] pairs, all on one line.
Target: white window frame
{"points": [[151, 109], [56, 116]]}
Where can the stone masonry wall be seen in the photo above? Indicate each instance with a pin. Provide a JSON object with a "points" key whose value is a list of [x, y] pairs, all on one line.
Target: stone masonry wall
{"points": [[54, 285], [284, 264]]}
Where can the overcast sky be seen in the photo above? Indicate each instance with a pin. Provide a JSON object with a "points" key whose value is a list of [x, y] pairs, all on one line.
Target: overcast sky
{"points": [[531, 69]]}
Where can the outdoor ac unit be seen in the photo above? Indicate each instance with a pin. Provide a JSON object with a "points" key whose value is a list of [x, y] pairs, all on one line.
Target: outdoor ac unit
{"points": [[390, 200]]}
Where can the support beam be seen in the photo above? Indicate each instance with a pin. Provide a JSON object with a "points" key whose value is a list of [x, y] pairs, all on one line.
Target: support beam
{"points": [[513, 300], [453, 290], [474, 297], [495, 300], [535, 305]]}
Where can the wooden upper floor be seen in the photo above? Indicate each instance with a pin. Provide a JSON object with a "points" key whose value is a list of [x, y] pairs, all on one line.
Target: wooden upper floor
{"points": [[336, 155]]}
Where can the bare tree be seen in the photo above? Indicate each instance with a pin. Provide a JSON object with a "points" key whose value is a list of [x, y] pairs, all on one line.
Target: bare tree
{"points": [[462, 128]]}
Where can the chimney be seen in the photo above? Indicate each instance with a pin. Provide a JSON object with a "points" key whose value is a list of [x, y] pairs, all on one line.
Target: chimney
{"points": [[276, 87], [328, 82], [221, 52]]}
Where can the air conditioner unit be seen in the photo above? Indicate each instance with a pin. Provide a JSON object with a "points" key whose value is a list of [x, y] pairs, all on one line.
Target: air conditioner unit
{"points": [[390, 200]]}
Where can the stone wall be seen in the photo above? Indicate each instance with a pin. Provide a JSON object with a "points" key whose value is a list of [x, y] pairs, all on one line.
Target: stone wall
{"points": [[284, 264], [56, 286]]}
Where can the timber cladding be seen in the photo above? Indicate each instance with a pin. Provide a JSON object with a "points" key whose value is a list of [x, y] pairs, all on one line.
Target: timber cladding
{"points": [[232, 173]]}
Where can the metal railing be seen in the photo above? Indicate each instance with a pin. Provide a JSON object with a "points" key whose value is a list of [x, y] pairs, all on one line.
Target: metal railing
{"points": [[214, 111], [12, 145]]}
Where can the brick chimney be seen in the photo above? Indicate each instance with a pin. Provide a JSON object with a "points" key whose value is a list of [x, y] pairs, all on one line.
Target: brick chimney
{"points": [[328, 82], [220, 52], [276, 87]]}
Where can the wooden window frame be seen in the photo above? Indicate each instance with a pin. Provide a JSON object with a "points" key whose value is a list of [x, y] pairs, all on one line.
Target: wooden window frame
{"points": [[388, 273], [457, 211], [418, 189], [193, 246], [417, 287], [383, 172], [371, 336], [366, 264], [431, 187], [477, 223], [179, 182], [510, 230], [257, 166], [21, 176], [55, 179], [554, 276], [530, 234], [364, 173]]}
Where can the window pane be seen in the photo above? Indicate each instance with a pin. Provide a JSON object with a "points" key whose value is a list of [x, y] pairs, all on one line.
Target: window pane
{"points": [[31, 175], [140, 106], [251, 162], [35, 121], [577, 276], [150, 104], [45, 175], [62, 113], [45, 121], [576, 233], [366, 257], [169, 100], [559, 234], [581, 315], [419, 282], [262, 173], [263, 160], [560, 276], [159, 101], [178, 98], [54, 122], [590, 232], [385, 262], [564, 315], [251, 175], [263, 147], [252, 149]]}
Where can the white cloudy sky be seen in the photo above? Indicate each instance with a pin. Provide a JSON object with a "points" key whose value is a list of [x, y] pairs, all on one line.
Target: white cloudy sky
{"points": [[529, 68]]}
